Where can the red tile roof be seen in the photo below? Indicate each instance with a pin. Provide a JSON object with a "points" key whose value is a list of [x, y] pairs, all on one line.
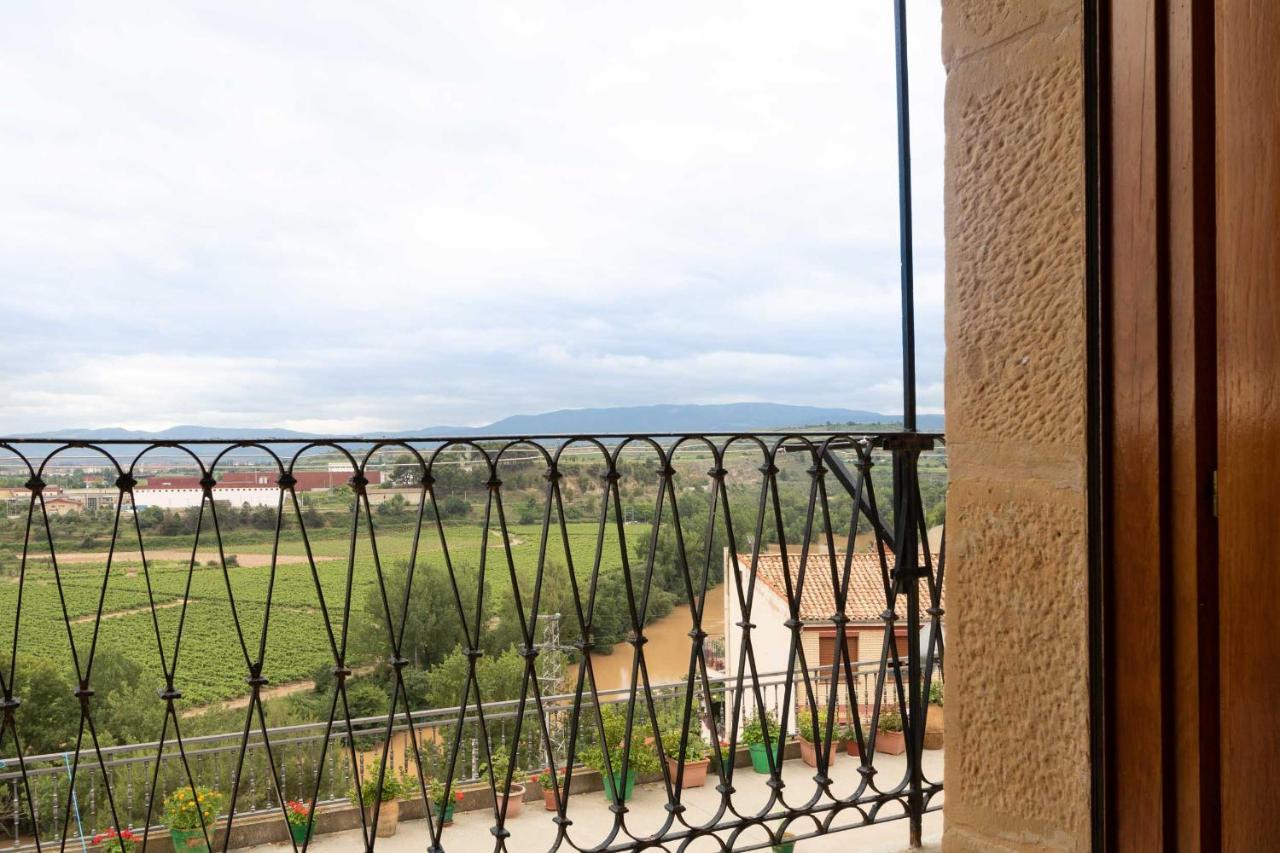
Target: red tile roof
{"points": [[866, 598]]}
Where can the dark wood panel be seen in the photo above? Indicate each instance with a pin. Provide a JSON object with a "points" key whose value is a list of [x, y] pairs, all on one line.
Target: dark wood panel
{"points": [[1193, 416], [1134, 618], [1248, 265]]}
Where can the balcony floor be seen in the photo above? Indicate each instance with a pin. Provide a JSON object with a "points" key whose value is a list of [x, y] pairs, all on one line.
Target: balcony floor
{"points": [[532, 829]]}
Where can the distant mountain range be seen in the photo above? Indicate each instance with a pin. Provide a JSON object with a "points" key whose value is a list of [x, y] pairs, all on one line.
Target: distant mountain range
{"points": [[723, 417]]}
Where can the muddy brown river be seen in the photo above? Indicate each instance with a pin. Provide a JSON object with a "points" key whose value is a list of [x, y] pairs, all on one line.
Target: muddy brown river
{"points": [[667, 652]]}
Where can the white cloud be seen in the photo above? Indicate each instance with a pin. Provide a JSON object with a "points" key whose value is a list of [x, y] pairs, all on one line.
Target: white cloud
{"points": [[394, 214]]}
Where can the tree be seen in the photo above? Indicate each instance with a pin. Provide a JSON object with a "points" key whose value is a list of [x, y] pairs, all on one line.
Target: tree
{"points": [[530, 512], [432, 628], [49, 717], [499, 677], [454, 507]]}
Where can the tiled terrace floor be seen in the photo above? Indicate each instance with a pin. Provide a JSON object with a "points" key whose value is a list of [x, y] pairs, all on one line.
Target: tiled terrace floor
{"points": [[533, 830]]}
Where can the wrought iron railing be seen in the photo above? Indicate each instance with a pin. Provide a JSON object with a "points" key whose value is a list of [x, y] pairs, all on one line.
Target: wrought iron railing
{"points": [[298, 751], [609, 530]]}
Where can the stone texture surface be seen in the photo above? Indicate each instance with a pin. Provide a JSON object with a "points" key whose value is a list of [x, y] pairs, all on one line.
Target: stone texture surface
{"points": [[969, 26], [1017, 714], [1015, 250]]}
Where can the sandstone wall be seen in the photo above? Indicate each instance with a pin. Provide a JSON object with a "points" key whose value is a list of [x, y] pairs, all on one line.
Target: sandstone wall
{"points": [[1017, 775]]}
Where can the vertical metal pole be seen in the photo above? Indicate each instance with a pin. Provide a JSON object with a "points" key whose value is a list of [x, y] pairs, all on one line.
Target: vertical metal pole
{"points": [[907, 570], [904, 219]]}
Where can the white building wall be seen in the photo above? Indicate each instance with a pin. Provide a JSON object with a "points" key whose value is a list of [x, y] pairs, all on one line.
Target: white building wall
{"points": [[187, 498], [770, 638]]}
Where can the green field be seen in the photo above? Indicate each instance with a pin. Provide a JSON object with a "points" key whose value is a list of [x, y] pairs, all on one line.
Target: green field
{"points": [[211, 664]]}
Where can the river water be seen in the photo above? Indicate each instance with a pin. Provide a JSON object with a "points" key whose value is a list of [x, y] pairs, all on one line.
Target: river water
{"points": [[667, 652]]}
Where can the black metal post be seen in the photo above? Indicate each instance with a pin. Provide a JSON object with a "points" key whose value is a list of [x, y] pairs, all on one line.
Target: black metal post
{"points": [[904, 220], [907, 574]]}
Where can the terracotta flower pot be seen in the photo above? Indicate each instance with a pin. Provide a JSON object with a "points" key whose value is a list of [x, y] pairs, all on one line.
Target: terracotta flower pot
{"points": [[695, 772], [511, 803], [891, 743], [388, 817], [933, 728], [809, 752], [549, 798], [851, 747]]}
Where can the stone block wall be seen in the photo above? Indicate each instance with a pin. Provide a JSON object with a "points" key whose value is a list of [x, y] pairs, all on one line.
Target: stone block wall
{"points": [[1017, 776]]}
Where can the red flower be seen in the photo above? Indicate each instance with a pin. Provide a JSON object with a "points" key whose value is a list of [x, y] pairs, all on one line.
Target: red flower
{"points": [[457, 796]]}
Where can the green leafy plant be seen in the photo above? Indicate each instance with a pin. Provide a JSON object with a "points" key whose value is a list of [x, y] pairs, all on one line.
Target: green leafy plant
{"points": [[890, 721], [367, 793], [935, 693], [435, 791], [185, 811], [753, 730], [496, 770], [696, 747], [806, 721], [643, 758]]}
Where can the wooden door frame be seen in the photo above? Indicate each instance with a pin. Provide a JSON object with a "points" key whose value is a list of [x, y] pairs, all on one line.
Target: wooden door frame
{"points": [[1150, 175]]}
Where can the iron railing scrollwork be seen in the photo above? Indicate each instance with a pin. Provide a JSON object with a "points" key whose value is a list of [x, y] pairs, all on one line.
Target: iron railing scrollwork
{"points": [[610, 529]]}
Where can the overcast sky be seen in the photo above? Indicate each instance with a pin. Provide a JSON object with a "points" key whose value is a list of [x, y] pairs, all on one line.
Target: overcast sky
{"points": [[352, 216]]}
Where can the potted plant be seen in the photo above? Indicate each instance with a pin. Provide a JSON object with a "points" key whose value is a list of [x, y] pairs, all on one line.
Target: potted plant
{"points": [[641, 759], [546, 783], [441, 806], [386, 802], [298, 814], [786, 843], [890, 739], [509, 800], [753, 735], [849, 738], [806, 723], [189, 815], [697, 755], [111, 841], [933, 722]]}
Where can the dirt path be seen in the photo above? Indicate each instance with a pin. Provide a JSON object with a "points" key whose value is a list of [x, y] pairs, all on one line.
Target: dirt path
{"points": [[279, 691], [115, 614]]}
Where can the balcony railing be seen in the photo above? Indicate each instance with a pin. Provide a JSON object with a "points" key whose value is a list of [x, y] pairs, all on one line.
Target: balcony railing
{"points": [[571, 586]]}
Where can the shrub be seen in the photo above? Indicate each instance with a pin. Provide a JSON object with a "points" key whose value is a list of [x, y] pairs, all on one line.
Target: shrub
{"points": [[935, 693]]}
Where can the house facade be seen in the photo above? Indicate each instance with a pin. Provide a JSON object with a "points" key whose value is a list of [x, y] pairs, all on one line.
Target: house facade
{"points": [[865, 606]]}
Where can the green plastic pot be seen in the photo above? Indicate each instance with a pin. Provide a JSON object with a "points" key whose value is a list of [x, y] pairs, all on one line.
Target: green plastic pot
{"points": [[189, 840], [447, 817], [611, 784], [301, 832], [788, 845], [759, 757]]}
